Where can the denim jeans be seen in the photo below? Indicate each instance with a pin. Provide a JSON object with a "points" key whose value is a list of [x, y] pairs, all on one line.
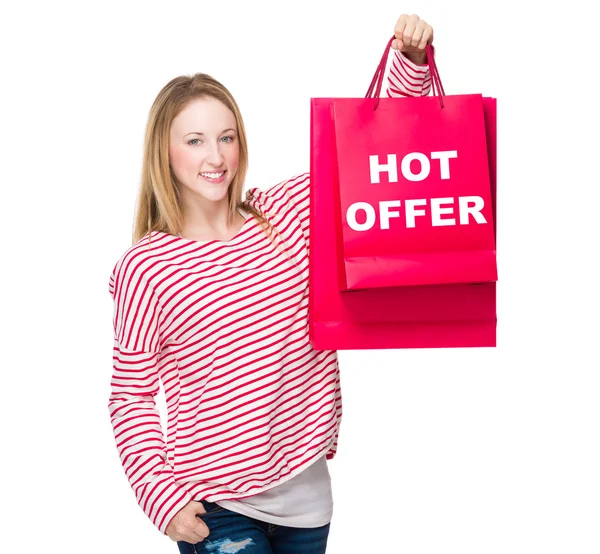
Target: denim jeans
{"points": [[232, 533]]}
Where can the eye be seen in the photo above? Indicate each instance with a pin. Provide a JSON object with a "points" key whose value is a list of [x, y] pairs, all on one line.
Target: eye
{"points": [[228, 137], [191, 141]]}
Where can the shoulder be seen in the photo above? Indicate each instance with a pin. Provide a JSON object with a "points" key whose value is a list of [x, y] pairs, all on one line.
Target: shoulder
{"points": [[135, 264], [291, 186], [285, 191]]}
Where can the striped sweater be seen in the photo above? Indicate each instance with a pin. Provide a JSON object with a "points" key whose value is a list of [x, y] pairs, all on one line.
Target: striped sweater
{"points": [[224, 326]]}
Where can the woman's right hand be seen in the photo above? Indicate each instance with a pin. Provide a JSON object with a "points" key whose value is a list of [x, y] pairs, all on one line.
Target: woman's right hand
{"points": [[185, 526]]}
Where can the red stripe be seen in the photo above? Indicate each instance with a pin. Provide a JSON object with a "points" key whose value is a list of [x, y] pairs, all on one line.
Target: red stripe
{"points": [[396, 91], [407, 68], [223, 475], [267, 435], [415, 84], [222, 424], [403, 82]]}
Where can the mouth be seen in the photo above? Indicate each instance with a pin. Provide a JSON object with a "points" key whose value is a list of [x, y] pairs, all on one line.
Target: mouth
{"points": [[214, 176]]}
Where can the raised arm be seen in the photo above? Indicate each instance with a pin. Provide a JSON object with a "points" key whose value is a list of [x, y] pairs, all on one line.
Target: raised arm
{"points": [[409, 73], [408, 76]]}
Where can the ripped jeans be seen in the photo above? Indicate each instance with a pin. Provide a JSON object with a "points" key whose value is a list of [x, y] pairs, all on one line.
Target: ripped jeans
{"points": [[233, 533]]}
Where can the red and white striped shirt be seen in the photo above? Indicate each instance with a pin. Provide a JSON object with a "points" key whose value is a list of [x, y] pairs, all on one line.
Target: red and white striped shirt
{"points": [[224, 326]]}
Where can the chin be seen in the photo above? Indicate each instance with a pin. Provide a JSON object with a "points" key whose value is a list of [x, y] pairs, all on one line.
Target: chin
{"points": [[217, 195]]}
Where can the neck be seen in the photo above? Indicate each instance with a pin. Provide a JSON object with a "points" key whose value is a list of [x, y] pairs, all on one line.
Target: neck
{"points": [[199, 228]]}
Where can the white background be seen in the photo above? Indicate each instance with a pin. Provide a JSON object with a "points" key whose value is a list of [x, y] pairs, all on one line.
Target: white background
{"points": [[464, 450]]}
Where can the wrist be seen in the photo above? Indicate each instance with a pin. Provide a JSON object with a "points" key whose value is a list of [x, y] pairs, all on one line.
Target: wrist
{"points": [[418, 58]]}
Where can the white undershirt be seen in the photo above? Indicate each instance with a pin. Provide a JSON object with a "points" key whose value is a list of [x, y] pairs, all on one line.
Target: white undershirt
{"points": [[303, 501]]}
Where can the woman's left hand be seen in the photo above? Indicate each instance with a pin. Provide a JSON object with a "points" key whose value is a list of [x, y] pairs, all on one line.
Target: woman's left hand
{"points": [[412, 36]]}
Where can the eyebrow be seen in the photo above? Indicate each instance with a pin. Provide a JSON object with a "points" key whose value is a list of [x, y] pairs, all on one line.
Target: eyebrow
{"points": [[197, 133]]}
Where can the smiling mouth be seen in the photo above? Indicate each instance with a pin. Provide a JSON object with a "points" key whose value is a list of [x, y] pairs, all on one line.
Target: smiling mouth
{"points": [[214, 176]]}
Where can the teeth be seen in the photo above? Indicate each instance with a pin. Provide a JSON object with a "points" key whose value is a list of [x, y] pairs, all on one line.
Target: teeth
{"points": [[212, 175]]}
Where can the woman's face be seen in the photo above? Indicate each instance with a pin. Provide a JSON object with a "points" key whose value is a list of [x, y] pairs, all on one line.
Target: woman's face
{"points": [[204, 149]]}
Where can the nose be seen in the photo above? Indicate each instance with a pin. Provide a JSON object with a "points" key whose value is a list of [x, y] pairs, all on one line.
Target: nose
{"points": [[214, 155]]}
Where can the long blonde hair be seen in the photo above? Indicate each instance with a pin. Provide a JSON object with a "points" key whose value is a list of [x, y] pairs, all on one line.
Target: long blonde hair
{"points": [[158, 205]]}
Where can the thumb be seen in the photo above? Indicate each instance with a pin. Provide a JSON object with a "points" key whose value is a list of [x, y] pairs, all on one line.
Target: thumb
{"points": [[397, 44], [200, 527]]}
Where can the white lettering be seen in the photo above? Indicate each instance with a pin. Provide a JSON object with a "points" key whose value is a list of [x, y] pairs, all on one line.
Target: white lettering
{"points": [[437, 211], [475, 210], [385, 214], [391, 167], [444, 157], [425, 166], [351, 216], [388, 209], [411, 212]]}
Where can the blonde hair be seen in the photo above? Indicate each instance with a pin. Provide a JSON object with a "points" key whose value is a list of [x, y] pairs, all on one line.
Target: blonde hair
{"points": [[158, 205]]}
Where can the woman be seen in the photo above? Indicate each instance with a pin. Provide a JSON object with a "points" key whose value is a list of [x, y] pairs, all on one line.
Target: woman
{"points": [[212, 299]]}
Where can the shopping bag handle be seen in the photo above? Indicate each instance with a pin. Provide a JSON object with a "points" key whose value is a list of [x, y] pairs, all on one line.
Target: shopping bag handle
{"points": [[377, 81]]}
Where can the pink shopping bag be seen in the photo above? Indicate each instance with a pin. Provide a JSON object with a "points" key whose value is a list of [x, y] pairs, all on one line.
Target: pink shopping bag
{"points": [[456, 314]]}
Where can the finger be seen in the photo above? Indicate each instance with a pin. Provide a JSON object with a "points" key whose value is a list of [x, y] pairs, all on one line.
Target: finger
{"points": [[417, 35], [407, 34], [426, 38], [397, 44], [414, 21], [193, 538], [201, 530], [399, 28]]}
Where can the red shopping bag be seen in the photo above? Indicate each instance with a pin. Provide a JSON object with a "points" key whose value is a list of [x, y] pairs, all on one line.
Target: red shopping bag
{"points": [[414, 191], [414, 316]]}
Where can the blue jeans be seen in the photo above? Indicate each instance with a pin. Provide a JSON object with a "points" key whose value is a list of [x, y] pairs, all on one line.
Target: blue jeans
{"points": [[232, 533]]}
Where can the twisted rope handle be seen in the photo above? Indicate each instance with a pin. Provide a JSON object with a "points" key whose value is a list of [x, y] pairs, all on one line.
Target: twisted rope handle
{"points": [[377, 81]]}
